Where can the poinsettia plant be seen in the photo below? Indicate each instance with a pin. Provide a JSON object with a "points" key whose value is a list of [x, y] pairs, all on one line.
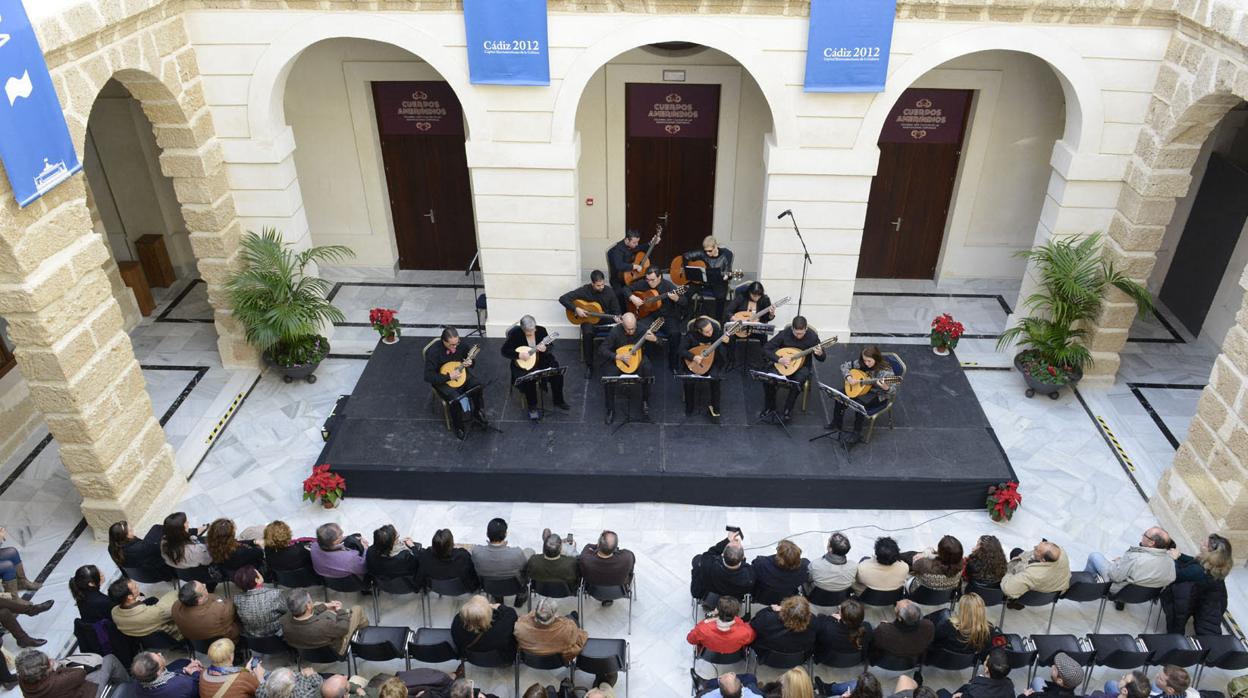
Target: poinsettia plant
{"points": [[1003, 500], [328, 487], [946, 331], [385, 321]]}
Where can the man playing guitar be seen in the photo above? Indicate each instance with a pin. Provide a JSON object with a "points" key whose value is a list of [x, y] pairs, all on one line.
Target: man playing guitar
{"points": [[797, 335], [525, 339], [704, 332], [671, 306], [753, 300], [595, 291], [877, 368], [449, 349], [625, 334], [620, 258], [718, 262]]}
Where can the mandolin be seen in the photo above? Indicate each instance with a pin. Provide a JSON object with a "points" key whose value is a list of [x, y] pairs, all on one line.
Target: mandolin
{"points": [[677, 271], [628, 359], [797, 357], [642, 259], [652, 300], [707, 351], [865, 381], [745, 317], [457, 371], [593, 313], [526, 357]]}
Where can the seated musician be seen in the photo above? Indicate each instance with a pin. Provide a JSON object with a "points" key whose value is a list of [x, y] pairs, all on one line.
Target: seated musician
{"points": [[672, 308], [620, 259], [626, 334], [704, 332], [528, 336], [797, 335], [440, 353], [873, 363], [718, 266], [751, 301], [595, 291]]}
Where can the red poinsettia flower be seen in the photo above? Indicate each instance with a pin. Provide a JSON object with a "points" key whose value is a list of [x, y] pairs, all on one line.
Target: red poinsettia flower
{"points": [[385, 321]]}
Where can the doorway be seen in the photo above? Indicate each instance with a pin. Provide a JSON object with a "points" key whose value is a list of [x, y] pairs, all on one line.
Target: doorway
{"points": [[421, 129], [920, 147]]}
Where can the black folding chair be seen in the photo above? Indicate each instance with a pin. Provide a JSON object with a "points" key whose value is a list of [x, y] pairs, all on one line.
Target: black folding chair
{"points": [[825, 598], [502, 587], [302, 578], [199, 647], [716, 659], [1135, 594], [1116, 651], [347, 585], [610, 593], [381, 643], [1173, 648], [203, 574], [1048, 646], [604, 656], [1225, 652], [1086, 587], [1018, 651], [454, 588], [893, 662], [270, 645], [841, 660], [490, 659], [540, 662], [144, 576], [782, 660], [875, 598], [941, 658], [160, 640], [927, 596], [324, 655], [431, 646], [1035, 599], [395, 586], [992, 596]]}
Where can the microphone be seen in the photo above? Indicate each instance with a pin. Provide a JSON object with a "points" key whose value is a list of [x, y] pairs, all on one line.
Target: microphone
{"points": [[787, 212]]}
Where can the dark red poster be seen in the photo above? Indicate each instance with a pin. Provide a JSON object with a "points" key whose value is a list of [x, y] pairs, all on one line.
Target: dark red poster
{"points": [[427, 108], [926, 116], [657, 110]]}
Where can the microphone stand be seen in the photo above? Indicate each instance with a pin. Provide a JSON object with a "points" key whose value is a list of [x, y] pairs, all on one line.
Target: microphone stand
{"points": [[805, 260]]}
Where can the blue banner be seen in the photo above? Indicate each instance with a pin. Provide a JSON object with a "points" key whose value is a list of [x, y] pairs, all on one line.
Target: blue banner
{"points": [[847, 50], [35, 145], [507, 42]]}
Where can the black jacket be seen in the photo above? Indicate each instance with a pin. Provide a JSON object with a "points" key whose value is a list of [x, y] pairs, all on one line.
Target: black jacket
{"points": [[672, 310], [772, 584], [459, 566], [144, 555], [740, 302], [985, 687], [293, 557], [774, 637], [605, 298], [245, 554], [948, 638], [717, 268], [401, 564], [499, 636], [436, 356], [619, 338], [694, 338], [619, 260], [95, 606], [784, 338], [1052, 690], [711, 576], [831, 635], [515, 339]]}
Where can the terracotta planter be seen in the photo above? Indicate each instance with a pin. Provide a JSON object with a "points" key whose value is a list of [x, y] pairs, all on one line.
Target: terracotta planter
{"points": [[392, 339], [326, 504], [940, 351]]}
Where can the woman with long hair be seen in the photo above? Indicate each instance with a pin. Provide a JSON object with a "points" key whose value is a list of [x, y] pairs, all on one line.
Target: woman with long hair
{"points": [[391, 556], [481, 626], [180, 547], [229, 553], [967, 630], [843, 632], [93, 604], [985, 566], [1199, 588], [937, 568], [871, 362], [794, 683], [443, 560]]}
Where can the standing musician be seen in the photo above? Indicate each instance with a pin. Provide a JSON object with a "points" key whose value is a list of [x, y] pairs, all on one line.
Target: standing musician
{"points": [[445, 351], [528, 335], [718, 265], [620, 258], [797, 335], [672, 307], [873, 363], [595, 291], [705, 331], [626, 334]]}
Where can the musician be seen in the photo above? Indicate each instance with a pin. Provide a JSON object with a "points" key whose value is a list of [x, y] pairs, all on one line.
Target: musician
{"points": [[530, 335], [705, 331], [798, 335], [718, 265], [595, 291], [620, 258], [626, 334], [672, 308], [440, 353], [754, 298], [873, 363]]}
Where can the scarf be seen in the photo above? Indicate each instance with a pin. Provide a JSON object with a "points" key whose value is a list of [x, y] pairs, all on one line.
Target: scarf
{"points": [[161, 679]]}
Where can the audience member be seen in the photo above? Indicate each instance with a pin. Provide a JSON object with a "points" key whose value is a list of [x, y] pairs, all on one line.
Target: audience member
{"points": [[311, 626], [728, 685], [339, 686], [1065, 675], [390, 556], [228, 552], [1147, 564], [12, 571], [994, 682], [157, 680], [464, 688], [180, 547], [1171, 682], [966, 630], [131, 552], [985, 566], [908, 635], [482, 626], [784, 628], [842, 632], [285, 682], [865, 686], [1133, 684], [14, 606], [40, 676], [1046, 568], [259, 608], [443, 560], [884, 572], [605, 565], [93, 604], [497, 560], [544, 632], [281, 554], [391, 688], [135, 615], [722, 571], [221, 679], [724, 632], [1199, 588], [794, 683], [779, 576], [834, 571], [332, 558], [552, 565], [203, 616], [938, 569]]}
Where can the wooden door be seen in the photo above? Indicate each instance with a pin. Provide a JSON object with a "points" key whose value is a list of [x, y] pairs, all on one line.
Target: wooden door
{"points": [[912, 189], [672, 176]]}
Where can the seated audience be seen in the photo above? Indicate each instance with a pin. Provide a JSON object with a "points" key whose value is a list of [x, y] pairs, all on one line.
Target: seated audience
{"points": [[228, 552], [544, 632], [93, 604], [287, 682], [552, 565], [784, 628], [482, 626], [834, 571], [281, 554], [908, 635], [966, 630], [132, 552], [259, 608], [865, 686], [1171, 682], [725, 632], [779, 576], [14, 606], [1199, 588], [497, 560], [311, 626], [221, 679], [794, 683], [156, 679], [40, 676], [12, 571], [180, 547], [203, 616], [332, 558], [1046, 569], [605, 565], [985, 566], [938, 569], [443, 560], [993, 682], [1133, 684], [135, 615], [722, 571], [1065, 675], [390, 556], [842, 632], [1147, 564], [728, 685], [464, 688], [884, 572]]}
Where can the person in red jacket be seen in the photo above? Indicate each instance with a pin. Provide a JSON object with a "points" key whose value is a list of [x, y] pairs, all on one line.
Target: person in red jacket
{"points": [[723, 632]]}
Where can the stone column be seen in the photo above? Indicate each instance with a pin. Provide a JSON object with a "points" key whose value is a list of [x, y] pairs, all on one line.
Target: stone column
{"points": [[77, 359]]}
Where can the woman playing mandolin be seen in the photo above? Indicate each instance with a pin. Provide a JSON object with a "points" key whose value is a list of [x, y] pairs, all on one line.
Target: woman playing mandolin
{"points": [[871, 371]]}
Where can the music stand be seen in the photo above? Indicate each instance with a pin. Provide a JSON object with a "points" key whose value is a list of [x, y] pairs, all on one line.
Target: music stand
{"points": [[854, 405], [626, 380], [777, 381], [472, 269], [693, 378], [478, 419], [539, 376]]}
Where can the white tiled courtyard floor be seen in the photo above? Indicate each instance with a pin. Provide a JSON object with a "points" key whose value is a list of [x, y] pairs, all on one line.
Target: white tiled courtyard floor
{"points": [[1077, 492]]}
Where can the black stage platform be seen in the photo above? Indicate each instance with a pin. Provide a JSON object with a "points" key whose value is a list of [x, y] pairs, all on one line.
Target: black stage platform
{"points": [[389, 441]]}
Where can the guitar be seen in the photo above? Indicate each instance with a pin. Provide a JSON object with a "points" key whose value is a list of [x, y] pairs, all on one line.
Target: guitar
{"points": [[652, 300], [526, 357], [451, 367], [677, 271], [707, 351], [593, 313], [628, 359], [866, 382], [643, 259], [797, 357], [746, 316]]}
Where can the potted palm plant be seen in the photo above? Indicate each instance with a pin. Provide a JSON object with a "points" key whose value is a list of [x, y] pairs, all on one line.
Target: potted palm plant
{"points": [[1074, 278], [283, 307]]}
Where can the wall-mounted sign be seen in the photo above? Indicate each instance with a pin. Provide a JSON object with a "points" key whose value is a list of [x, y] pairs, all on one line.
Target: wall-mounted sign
{"points": [[426, 108], [672, 111], [848, 45], [35, 145], [926, 116], [507, 42]]}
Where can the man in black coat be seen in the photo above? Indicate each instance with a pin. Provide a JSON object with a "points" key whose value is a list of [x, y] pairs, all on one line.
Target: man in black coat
{"points": [[596, 291], [450, 348], [797, 335], [994, 682], [620, 258], [530, 336], [722, 571]]}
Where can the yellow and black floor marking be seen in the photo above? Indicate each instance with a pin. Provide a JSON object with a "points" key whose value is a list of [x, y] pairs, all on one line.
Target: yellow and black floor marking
{"points": [[1113, 441], [1128, 466], [229, 412]]}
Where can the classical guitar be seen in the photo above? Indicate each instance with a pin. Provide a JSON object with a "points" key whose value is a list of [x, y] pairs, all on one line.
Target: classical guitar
{"points": [[593, 313], [457, 371], [642, 259], [706, 350], [797, 357], [677, 270], [745, 317], [865, 381], [652, 300], [526, 357], [628, 359]]}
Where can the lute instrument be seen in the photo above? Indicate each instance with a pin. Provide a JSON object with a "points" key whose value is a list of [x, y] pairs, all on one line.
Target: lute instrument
{"points": [[642, 259], [652, 300], [797, 357], [706, 350], [526, 356], [593, 313], [677, 270], [450, 368], [865, 382], [628, 358], [745, 317]]}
